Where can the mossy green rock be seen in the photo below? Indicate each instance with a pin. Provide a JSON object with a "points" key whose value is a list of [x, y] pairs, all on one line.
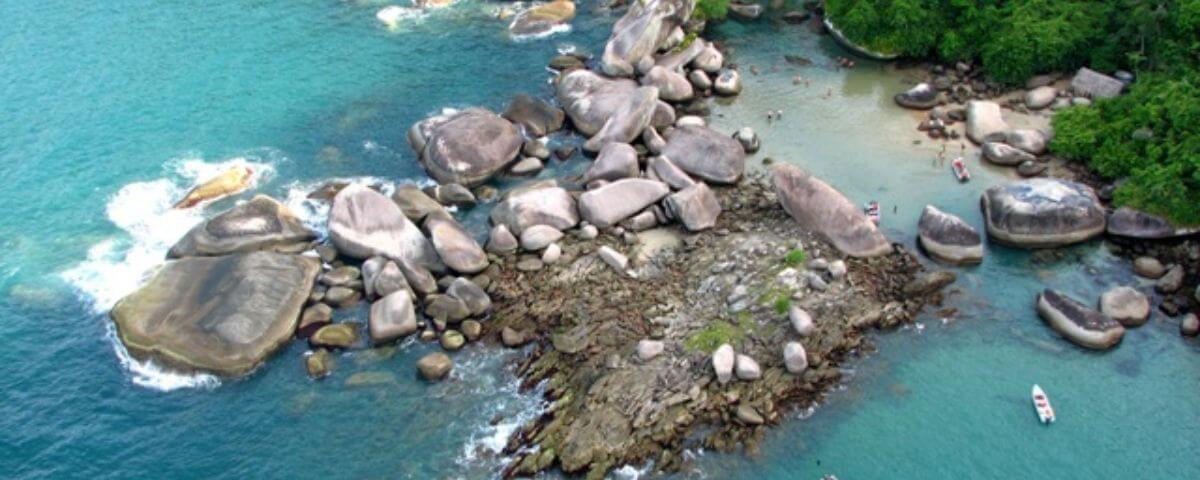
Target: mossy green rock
{"points": [[340, 335]]}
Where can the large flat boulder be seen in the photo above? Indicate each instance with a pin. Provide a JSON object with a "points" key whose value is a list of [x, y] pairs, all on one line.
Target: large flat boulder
{"points": [[260, 224], [1079, 324], [1042, 212], [466, 146], [706, 154], [364, 223], [616, 201], [948, 238], [551, 206], [639, 33], [824, 210], [223, 315], [1127, 222]]}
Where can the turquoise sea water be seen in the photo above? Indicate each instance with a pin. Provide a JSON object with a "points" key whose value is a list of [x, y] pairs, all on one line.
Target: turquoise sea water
{"points": [[108, 110]]}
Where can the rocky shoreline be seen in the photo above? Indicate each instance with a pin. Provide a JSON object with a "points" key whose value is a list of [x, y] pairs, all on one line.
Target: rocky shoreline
{"points": [[627, 356], [960, 94]]}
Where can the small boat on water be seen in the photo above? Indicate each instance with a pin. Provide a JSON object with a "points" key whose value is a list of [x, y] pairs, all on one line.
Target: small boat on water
{"points": [[1041, 403], [872, 211], [960, 170]]}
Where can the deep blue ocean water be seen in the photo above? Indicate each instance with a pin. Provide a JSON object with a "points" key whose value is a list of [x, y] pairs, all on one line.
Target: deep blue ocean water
{"points": [[109, 110]]}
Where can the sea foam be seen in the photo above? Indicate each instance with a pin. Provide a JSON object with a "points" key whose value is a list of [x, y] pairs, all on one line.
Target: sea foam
{"points": [[149, 226]]}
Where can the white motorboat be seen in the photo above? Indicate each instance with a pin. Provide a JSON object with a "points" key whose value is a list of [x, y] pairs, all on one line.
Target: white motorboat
{"points": [[1041, 403]]}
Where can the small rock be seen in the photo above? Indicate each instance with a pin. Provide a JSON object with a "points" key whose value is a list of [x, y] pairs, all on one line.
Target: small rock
{"points": [[794, 358], [527, 166], [318, 364], [342, 297], [722, 362], [747, 369], [802, 322], [589, 232], [452, 340], [472, 329], [613, 258], [435, 366], [538, 237], [551, 254], [446, 308], [512, 338], [748, 139], [746, 414], [1125, 305], [1190, 325], [530, 264], [313, 318], [837, 269], [647, 350], [338, 335], [728, 83], [1170, 282], [472, 295], [1149, 267], [501, 240]]}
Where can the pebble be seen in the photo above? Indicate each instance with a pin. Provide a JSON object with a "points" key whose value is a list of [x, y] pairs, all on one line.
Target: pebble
{"points": [[551, 254], [649, 349], [837, 269], [529, 264], [613, 258]]}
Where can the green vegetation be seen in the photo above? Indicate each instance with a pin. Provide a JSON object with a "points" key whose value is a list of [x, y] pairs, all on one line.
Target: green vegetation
{"points": [[717, 333], [794, 258], [1150, 137], [711, 9], [1014, 39], [782, 304], [687, 42]]}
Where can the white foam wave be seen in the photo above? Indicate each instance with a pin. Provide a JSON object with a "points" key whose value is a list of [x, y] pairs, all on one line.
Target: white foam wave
{"points": [[148, 375], [116, 266], [392, 16], [560, 28]]}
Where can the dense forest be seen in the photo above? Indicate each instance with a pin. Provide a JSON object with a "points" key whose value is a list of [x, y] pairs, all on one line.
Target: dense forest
{"points": [[1147, 139]]}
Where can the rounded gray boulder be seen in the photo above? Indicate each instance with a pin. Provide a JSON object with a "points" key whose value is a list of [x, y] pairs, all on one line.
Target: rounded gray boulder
{"points": [[1042, 212], [1079, 324], [948, 238]]}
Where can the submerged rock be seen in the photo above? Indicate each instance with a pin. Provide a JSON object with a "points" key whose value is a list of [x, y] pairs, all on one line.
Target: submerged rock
{"points": [[920, 97], [703, 152], [1149, 267], [223, 315], [318, 364], [364, 223], [259, 224], [1075, 322], [1124, 304], [822, 209], [948, 238], [1042, 213], [465, 147]]}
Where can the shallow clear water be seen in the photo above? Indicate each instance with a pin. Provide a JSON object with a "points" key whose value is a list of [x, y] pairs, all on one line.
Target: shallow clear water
{"points": [[109, 110]]}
